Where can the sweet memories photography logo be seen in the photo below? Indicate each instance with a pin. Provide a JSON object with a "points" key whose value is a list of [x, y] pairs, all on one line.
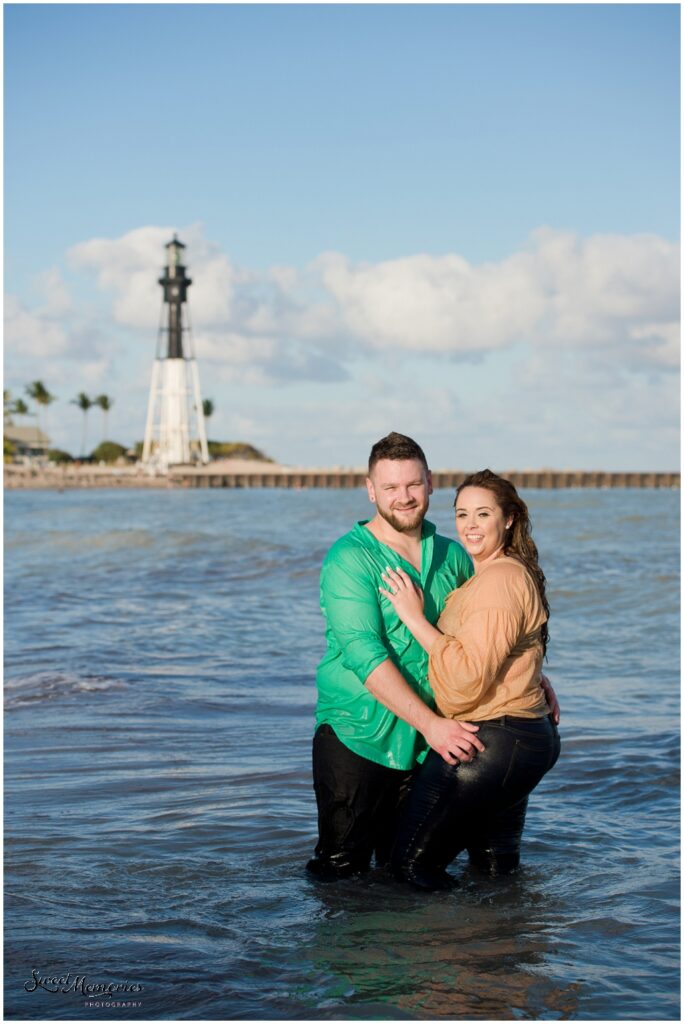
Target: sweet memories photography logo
{"points": [[80, 984]]}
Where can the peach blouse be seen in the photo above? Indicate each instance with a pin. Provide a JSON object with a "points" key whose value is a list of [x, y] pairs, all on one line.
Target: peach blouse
{"points": [[488, 662]]}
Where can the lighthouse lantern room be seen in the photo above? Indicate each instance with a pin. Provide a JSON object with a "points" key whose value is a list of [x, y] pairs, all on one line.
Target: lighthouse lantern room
{"points": [[175, 431]]}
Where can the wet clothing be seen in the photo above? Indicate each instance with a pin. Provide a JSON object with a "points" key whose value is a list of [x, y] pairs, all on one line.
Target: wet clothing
{"points": [[363, 755], [479, 805], [358, 807], [363, 630], [488, 661]]}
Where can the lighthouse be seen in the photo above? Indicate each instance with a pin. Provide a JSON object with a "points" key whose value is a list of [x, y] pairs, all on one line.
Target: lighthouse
{"points": [[175, 431]]}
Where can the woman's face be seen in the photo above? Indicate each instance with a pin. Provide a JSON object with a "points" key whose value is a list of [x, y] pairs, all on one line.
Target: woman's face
{"points": [[480, 523]]}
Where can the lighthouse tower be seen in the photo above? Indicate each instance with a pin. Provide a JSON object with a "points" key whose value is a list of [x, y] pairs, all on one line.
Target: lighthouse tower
{"points": [[175, 431]]}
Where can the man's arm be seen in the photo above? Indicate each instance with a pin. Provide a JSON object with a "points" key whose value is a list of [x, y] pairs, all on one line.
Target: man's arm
{"points": [[454, 741], [551, 698]]}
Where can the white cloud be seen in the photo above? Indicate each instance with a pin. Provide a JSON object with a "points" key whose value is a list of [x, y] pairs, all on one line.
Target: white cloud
{"points": [[57, 342], [129, 268], [562, 290], [601, 288], [617, 293], [32, 333], [55, 296], [261, 359], [124, 267], [441, 305], [42, 331], [658, 345], [579, 332]]}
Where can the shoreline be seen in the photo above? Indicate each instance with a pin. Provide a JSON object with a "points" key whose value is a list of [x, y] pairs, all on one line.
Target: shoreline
{"points": [[243, 473]]}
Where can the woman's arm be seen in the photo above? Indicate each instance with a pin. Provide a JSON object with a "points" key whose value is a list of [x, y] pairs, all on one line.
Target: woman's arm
{"points": [[462, 668], [454, 741], [408, 602]]}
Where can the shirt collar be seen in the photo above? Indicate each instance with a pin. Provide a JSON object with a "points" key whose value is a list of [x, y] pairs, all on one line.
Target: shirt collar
{"points": [[428, 530]]}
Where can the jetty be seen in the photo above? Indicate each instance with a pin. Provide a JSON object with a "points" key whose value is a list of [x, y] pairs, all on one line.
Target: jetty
{"points": [[265, 476], [244, 473]]}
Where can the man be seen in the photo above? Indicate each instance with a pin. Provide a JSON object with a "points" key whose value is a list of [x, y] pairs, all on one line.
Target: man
{"points": [[375, 712]]}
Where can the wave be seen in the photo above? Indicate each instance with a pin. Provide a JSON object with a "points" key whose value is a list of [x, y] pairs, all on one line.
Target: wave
{"points": [[46, 686]]}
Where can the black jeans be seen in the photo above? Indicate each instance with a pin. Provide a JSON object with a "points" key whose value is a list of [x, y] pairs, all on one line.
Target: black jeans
{"points": [[358, 808], [478, 805]]}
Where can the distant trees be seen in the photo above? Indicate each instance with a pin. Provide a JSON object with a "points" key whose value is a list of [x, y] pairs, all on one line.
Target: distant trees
{"points": [[105, 403], [9, 449], [59, 457], [108, 451], [42, 397], [13, 407], [84, 404], [236, 450], [39, 394]]}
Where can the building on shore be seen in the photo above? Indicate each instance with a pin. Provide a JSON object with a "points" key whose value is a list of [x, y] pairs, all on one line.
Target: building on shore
{"points": [[28, 442], [175, 432]]}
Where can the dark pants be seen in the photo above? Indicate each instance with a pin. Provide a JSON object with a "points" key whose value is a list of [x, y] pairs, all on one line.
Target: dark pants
{"points": [[358, 807], [478, 805]]}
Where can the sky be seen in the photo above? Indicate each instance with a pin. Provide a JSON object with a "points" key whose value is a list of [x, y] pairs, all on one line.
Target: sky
{"points": [[456, 221]]}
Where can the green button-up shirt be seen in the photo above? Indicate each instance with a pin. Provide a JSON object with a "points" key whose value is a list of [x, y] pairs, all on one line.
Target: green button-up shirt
{"points": [[363, 630]]}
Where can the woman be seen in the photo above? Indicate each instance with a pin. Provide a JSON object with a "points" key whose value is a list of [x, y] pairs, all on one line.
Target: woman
{"points": [[485, 661]]}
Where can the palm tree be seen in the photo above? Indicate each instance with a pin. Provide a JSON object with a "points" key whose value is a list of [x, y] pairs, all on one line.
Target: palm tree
{"points": [[41, 396], [105, 403], [207, 408], [20, 408], [84, 403]]}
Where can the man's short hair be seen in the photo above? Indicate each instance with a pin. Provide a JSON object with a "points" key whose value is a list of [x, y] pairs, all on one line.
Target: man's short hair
{"points": [[396, 446]]}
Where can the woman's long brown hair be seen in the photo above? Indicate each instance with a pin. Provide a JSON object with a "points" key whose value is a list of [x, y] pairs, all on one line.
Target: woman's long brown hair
{"points": [[518, 540]]}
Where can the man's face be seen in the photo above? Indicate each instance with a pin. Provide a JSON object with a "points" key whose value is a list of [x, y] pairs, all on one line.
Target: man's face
{"points": [[400, 489]]}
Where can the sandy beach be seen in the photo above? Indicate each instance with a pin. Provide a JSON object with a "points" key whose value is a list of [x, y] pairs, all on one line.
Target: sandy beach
{"points": [[71, 475]]}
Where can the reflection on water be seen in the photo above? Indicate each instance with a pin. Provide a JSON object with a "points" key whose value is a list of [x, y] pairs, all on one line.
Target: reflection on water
{"points": [[160, 653], [442, 956]]}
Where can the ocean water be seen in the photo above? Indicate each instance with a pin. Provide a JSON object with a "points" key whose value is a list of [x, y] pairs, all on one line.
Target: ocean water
{"points": [[160, 650]]}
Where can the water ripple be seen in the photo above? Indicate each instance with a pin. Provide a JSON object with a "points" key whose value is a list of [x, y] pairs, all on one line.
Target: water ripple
{"points": [[160, 655]]}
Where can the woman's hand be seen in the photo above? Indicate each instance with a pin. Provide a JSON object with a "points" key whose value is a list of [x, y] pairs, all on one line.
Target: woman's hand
{"points": [[408, 602], [405, 596]]}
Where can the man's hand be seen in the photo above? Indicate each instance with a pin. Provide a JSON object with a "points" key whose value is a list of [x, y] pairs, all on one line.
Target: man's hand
{"points": [[551, 698], [454, 741]]}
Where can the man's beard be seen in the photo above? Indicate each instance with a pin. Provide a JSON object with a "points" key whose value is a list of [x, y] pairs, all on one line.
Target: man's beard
{"points": [[402, 524]]}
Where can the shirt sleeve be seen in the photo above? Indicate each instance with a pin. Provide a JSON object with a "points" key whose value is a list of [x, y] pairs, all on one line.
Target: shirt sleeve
{"points": [[463, 667], [351, 605]]}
